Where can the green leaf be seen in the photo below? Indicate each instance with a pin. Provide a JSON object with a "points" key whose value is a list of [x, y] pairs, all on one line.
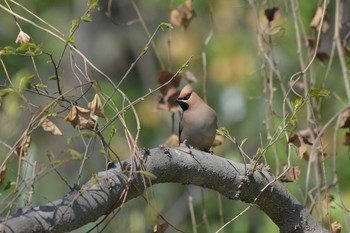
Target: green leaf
{"points": [[293, 120], [147, 174], [42, 120], [95, 176], [52, 114], [60, 162], [25, 46], [6, 91], [41, 85], [224, 132], [86, 18], [243, 142], [112, 132], [73, 26], [9, 184], [297, 103], [71, 40], [166, 25], [8, 50], [87, 134], [75, 154], [70, 140], [93, 4], [38, 48], [319, 92], [53, 78], [51, 155], [26, 82]]}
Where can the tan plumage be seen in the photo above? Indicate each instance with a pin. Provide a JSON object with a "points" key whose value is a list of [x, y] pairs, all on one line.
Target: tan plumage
{"points": [[198, 122]]}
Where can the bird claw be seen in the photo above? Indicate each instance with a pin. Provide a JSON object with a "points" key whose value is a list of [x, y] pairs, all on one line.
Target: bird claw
{"points": [[183, 144]]}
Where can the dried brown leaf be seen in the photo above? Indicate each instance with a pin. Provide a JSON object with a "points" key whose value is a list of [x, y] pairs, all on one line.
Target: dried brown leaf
{"points": [[272, 13], [328, 200], [346, 47], [172, 141], [183, 15], [301, 144], [172, 86], [169, 92], [96, 107], [3, 170], [291, 175], [322, 56], [189, 76], [219, 139], [22, 37], [336, 227], [325, 26], [168, 103], [49, 126], [24, 145], [345, 119], [317, 18], [160, 228], [80, 117], [346, 141]]}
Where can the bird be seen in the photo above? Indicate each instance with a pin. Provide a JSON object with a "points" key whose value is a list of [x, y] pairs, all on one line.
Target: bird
{"points": [[198, 122]]}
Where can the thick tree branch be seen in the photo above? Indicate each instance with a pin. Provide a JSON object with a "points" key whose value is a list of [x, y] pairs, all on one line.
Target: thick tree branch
{"points": [[101, 195]]}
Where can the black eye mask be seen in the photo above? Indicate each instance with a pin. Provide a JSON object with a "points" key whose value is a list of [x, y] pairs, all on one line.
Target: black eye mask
{"points": [[187, 96]]}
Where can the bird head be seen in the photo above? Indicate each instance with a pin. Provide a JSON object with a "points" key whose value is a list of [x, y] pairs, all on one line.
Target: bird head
{"points": [[186, 97]]}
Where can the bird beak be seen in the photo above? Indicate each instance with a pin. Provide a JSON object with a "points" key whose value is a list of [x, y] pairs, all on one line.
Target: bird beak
{"points": [[182, 104]]}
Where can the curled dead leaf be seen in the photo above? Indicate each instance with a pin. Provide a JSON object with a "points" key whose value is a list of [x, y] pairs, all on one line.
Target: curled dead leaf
{"points": [[328, 200], [96, 107], [80, 117], [160, 228], [49, 126], [169, 92], [219, 139], [291, 175], [3, 170], [301, 144], [336, 227], [345, 43], [183, 15], [189, 76], [164, 77], [172, 141], [322, 56], [25, 144], [345, 119], [22, 37], [272, 13], [168, 102], [346, 141], [316, 20], [317, 17]]}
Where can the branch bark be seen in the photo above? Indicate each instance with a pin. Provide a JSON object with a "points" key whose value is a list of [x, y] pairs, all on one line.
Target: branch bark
{"points": [[99, 196]]}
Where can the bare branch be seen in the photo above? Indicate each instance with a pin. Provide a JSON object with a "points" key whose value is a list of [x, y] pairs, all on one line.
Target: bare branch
{"points": [[104, 192]]}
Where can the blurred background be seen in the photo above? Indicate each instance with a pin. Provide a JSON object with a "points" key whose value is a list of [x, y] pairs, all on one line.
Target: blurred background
{"points": [[237, 86]]}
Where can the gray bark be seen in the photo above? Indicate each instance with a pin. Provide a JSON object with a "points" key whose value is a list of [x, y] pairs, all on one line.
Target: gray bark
{"points": [[100, 196]]}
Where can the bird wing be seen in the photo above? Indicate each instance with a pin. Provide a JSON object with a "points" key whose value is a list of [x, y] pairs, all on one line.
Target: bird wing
{"points": [[180, 127]]}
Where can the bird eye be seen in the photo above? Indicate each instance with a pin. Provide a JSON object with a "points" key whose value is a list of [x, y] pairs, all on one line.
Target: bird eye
{"points": [[187, 96]]}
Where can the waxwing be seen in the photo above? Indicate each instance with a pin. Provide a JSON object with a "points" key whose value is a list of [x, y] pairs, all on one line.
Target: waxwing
{"points": [[198, 122]]}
